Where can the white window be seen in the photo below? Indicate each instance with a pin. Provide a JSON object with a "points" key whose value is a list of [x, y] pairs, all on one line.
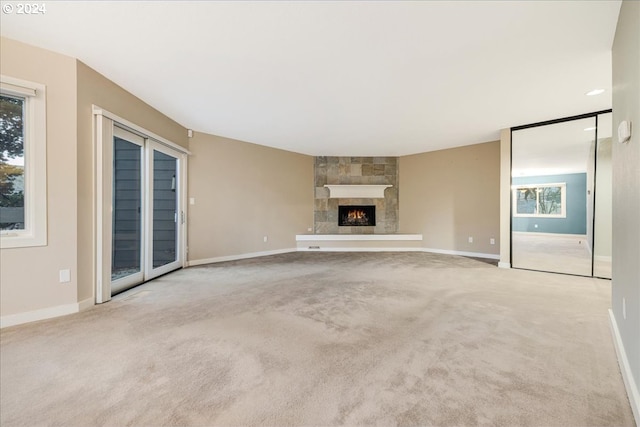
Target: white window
{"points": [[540, 200], [23, 163]]}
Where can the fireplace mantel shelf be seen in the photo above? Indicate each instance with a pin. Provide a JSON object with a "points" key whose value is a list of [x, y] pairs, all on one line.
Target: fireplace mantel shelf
{"points": [[357, 191]]}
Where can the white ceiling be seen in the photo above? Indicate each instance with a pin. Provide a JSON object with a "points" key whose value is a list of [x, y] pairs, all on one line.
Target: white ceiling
{"points": [[342, 77], [558, 148]]}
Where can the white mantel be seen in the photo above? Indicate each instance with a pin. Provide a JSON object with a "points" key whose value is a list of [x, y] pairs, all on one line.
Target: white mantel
{"points": [[357, 191]]}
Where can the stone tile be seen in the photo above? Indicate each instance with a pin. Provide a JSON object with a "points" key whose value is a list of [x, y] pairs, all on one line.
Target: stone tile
{"points": [[320, 216], [367, 160], [321, 178], [378, 170], [356, 160], [390, 170], [332, 173], [366, 170], [356, 170], [320, 204], [322, 193], [321, 160], [379, 160], [332, 160], [324, 228]]}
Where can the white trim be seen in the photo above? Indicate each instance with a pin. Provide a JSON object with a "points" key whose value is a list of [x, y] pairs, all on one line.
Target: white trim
{"points": [[462, 253], [354, 237], [535, 233], [409, 249], [357, 191], [361, 249], [35, 157], [45, 313], [240, 256], [632, 388], [16, 89], [138, 129], [86, 304], [504, 264]]}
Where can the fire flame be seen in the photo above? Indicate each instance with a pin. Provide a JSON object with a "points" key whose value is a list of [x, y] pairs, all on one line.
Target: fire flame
{"points": [[356, 214]]}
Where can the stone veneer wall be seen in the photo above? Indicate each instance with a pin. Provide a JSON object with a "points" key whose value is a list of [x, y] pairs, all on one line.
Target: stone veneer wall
{"points": [[353, 171]]}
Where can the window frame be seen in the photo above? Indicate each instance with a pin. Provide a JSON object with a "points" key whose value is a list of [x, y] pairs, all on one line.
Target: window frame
{"points": [[35, 164], [563, 200]]}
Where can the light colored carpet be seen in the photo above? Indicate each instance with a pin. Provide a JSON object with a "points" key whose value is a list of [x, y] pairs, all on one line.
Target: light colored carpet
{"points": [[325, 339], [546, 252]]}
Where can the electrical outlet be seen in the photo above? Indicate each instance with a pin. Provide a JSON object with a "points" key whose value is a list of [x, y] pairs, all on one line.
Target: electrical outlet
{"points": [[309, 229], [265, 239], [492, 241], [470, 239], [65, 276]]}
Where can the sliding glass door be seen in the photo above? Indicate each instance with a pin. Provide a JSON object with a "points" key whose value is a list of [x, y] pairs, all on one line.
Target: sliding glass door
{"points": [[140, 211], [166, 216], [127, 210]]}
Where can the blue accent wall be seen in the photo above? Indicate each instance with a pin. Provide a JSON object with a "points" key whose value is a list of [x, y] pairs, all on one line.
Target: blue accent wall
{"points": [[576, 220]]}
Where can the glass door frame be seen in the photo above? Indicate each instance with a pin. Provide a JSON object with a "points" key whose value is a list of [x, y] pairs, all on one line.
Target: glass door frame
{"points": [[103, 133], [150, 271], [594, 115], [130, 280]]}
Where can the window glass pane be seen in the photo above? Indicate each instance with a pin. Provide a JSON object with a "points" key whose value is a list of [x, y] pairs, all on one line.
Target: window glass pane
{"points": [[126, 257], [165, 209], [12, 163], [550, 200], [526, 201]]}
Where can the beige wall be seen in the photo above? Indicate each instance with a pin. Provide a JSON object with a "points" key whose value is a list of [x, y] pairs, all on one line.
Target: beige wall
{"points": [[452, 194], [505, 198], [244, 192], [95, 89], [626, 190], [29, 277]]}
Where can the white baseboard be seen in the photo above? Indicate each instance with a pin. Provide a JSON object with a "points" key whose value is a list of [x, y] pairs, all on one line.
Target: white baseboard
{"points": [[504, 264], [237, 257], [44, 313], [408, 249], [462, 253], [362, 249], [632, 388]]}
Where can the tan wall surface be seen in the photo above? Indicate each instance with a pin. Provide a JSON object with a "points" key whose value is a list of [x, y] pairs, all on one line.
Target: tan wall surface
{"points": [[626, 185], [452, 194], [244, 192], [505, 198], [95, 89], [29, 277]]}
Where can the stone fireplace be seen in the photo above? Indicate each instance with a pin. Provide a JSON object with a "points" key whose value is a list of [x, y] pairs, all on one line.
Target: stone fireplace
{"points": [[358, 172]]}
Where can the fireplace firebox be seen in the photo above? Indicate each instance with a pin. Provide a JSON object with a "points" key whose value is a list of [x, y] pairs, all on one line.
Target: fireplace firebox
{"points": [[357, 215]]}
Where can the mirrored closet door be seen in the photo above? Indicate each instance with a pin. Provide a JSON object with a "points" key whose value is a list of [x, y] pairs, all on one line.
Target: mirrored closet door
{"points": [[561, 196]]}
